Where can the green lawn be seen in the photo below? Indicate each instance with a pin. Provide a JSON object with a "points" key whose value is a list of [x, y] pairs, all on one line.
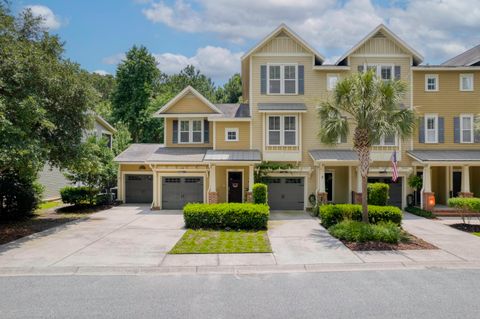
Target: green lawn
{"points": [[48, 205], [222, 242], [477, 234]]}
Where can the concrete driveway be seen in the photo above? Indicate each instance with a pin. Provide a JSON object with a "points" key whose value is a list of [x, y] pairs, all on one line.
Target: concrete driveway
{"points": [[127, 235]]}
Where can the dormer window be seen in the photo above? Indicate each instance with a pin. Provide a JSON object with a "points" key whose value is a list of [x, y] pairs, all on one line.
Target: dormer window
{"points": [[191, 131], [282, 79]]}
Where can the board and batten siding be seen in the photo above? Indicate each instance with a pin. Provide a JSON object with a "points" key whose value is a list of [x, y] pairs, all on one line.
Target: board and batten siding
{"points": [[448, 102], [282, 43], [380, 45], [243, 142]]}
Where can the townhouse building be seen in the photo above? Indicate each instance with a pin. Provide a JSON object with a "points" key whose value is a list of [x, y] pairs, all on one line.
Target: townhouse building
{"points": [[210, 150]]}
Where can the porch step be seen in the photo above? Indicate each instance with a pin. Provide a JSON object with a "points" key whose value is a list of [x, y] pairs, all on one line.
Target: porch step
{"points": [[451, 212]]}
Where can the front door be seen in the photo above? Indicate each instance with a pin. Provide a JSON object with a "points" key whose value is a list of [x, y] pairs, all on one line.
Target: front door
{"points": [[329, 186], [235, 187], [457, 183]]}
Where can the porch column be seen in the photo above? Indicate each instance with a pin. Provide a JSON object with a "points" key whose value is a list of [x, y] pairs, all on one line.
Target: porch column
{"points": [[212, 190], [321, 193], [466, 182], [251, 180], [358, 193], [155, 204], [119, 184], [428, 198]]}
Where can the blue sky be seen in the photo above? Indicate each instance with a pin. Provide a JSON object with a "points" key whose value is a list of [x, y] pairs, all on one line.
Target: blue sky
{"points": [[213, 34]]}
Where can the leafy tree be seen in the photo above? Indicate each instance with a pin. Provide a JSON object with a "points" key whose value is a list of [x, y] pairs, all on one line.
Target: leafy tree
{"points": [[372, 107], [137, 77], [104, 86], [174, 84], [122, 139], [231, 92]]}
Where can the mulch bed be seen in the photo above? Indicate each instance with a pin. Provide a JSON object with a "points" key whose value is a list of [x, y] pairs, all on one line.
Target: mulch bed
{"points": [[411, 243], [469, 228]]}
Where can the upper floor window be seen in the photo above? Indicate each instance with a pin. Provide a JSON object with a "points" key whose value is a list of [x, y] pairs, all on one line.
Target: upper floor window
{"points": [[431, 128], [332, 80], [191, 131], [282, 130], [231, 134], [383, 71], [431, 82], [466, 82], [466, 128], [282, 79], [387, 140]]}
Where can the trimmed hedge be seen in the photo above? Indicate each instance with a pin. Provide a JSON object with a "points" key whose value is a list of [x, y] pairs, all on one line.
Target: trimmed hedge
{"points": [[334, 214], [244, 216], [471, 204], [78, 195], [354, 231], [260, 193], [419, 212], [378, 194]]}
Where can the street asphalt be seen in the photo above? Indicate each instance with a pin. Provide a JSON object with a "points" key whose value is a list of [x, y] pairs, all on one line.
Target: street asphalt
{"points": [[431, 293]]}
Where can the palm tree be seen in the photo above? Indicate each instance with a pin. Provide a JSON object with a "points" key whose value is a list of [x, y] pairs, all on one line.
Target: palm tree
{"points": [[372, 106]]}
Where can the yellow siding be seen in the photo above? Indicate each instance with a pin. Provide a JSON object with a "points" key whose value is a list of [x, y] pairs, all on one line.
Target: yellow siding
{"points": [[282, 44], [169, 134], [134, 168], [448, 102], [221, 174], [340, 184], [243, 132], [189, 104], [380, 45], [475, 181], [439, 185]]}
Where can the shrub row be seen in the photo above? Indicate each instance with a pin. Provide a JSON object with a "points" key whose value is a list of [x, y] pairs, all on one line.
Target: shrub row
{"points": [[377, 194], [77, 195], [419, 212], [354, 231], [469, 204], [334, 214], [226, 215]]}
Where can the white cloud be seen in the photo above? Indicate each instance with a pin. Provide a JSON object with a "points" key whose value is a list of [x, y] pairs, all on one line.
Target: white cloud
{"points": [[114, 59], [439, 29], [101, 72], [50, 20]]}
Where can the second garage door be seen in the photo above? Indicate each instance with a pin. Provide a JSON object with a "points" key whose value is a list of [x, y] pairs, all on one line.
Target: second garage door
{"points": [[286, 193], [178, 191]]}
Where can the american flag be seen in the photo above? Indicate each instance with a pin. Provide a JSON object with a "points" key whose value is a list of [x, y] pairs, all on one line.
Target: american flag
{"points": [[394, 166]]}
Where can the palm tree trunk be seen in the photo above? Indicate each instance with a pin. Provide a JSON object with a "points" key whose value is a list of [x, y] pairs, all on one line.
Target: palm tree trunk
{"points": [[362, 147]]}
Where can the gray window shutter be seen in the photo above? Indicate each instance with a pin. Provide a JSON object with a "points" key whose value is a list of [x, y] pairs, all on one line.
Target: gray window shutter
{"points": [[360, 68], [397, 72], [476, 136], [301, 81], [206, 132], [263, 79], [175, 132], [456, 129], [441, 130], [421, 130]]}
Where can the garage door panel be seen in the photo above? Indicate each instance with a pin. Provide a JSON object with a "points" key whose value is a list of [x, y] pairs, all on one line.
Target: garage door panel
{"points": [[138, 188], [178, 191], [286, 193]]}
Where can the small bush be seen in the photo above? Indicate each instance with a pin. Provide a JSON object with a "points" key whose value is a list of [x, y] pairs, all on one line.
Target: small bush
{"points": [[78, 195], [260, 193], [226, 215], [334, 214], [354, 231], [378, 194], [419, 212], [469, 204]]}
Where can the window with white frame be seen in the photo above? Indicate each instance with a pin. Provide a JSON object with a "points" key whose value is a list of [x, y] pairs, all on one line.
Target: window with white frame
{"points": [[332, 80], [466, 128], [191, 131], [231, 135], [431, 128], [282, 78], [387, 140], [431, 82], [282, 130], [466, 82], [383, 71]]}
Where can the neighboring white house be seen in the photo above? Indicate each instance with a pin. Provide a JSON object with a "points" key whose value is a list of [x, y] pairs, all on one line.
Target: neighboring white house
{"points": [[52, 179]]}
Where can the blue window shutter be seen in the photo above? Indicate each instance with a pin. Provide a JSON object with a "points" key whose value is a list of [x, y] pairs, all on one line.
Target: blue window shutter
{"points": [[441, 130], [263, 79], [397, 72], [360, 68], [206, 132], [175, 132], [456, 129], [421, 130], [301, 80]]}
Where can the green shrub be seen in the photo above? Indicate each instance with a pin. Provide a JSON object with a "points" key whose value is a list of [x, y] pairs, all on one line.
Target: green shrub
{"points": [[468, 204], [260, 193], [419, 212], [226, 215], [378, 194], [354, 231], [334, 214], [78, 195]]}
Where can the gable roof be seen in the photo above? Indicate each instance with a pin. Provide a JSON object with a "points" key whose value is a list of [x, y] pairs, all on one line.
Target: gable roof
{"points": [[284, 28], [100, 120], [183, 93], [417, 57], [467, 58]]}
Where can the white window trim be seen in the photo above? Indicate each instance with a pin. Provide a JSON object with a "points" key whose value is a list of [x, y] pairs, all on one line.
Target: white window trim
{"points": [[229, 130], [282, 78], [469, 75], [282, 130], [190, 131], [378, 67], [331, 75], [435, 116], [470, 116], [382, 142], [437, 83]]}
